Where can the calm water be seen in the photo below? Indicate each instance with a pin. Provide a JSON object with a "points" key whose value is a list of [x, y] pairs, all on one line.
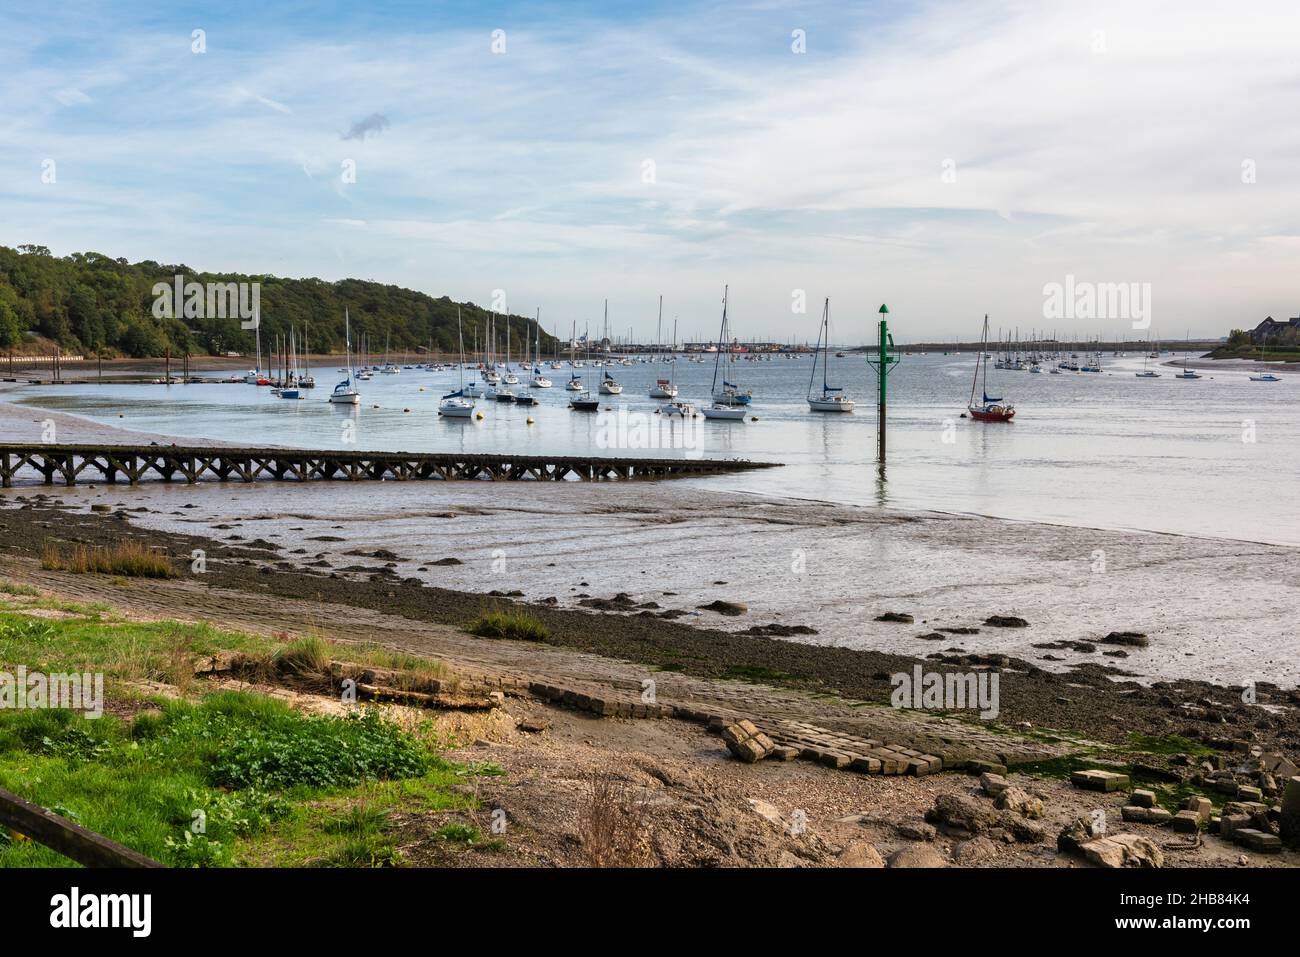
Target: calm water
{"points": [[1216, 456]]}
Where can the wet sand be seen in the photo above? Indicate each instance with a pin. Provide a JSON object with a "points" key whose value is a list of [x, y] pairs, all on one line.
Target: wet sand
{"points": [[254, 573]]}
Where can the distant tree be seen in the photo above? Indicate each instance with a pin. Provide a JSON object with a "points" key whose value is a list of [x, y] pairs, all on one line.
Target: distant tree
{"points": [[1238, 337]]}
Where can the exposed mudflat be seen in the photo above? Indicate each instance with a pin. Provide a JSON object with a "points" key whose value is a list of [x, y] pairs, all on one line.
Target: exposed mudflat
{"points": [[262, 564]]}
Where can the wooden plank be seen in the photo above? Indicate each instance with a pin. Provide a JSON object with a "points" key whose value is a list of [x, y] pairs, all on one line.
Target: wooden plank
{"points": [[69, 839]]}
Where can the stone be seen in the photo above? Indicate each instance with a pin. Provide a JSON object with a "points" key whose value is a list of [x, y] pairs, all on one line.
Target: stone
{"points": [[1145, 815], [767, 810], [977, 850], [917, 831], [1075, 835], [1098, 780], [1202, 807], [1187, 822], [1229, 823], [860, 854], [784, 753], [901, 618], [1005, 621], [1142, 798], [1290, 816], [986, 767], [865, 765], [1258, 840], [746, 742], [1123, 850], [993, 784], [917, 855], [1245, 793], [963, 813], [1020, 802]]}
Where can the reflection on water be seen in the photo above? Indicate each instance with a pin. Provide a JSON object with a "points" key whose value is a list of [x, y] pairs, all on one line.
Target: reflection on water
{"points": [[1212, 456]]}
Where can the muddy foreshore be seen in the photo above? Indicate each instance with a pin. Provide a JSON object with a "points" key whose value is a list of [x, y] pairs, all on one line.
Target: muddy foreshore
{"points": [[1089, 700]]}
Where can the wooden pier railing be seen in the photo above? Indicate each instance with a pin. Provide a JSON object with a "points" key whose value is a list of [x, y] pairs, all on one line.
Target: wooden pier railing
{"points": [[133, 463]]}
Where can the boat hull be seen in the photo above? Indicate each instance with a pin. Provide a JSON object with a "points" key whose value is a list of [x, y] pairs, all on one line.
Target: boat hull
{"points": [[728, 413], [985, 415], [830, 405]]}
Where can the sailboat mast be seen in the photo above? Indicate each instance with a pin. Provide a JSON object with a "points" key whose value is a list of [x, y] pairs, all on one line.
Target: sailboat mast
{"points": [[722, 335]]}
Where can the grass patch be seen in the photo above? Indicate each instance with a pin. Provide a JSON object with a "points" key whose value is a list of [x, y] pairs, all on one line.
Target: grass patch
{"points": [[232, 779], [509, 624], [1167, 744], [758, 673], [126, 559], [8, 587], [237, 778], [307, 655]]}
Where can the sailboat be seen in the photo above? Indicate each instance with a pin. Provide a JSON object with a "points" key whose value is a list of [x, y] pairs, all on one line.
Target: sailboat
{"points": [[455, 404], [1149, 373], [539, 381], [345, 393], [832, 398], [608, 384], [724, 408], [290, 389], [306, 380], [1264, 376], [1187, 373], [254, 376], [730, 393], [991, 409], [503, 392], [663, 388], [582, 401]]}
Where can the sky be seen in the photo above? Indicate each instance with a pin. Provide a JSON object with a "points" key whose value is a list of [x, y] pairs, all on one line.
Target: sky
{"points": [[949, 159]]}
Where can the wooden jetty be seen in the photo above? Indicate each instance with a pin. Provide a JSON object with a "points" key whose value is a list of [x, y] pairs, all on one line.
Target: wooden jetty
{"points": [[168, 463]]}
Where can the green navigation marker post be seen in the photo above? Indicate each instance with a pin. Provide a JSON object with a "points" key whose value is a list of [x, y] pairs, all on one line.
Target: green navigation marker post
{"points": [[883, 363]]}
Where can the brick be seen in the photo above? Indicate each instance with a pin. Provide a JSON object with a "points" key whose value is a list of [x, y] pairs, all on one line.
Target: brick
{"points": [[1145, 815], [1258, 840], [1201, 806], [1229, 823], [784, 753], [1143, 798], [1187, 822], [833, 759], [1096, 780], [865, 765], [1245, 793]]}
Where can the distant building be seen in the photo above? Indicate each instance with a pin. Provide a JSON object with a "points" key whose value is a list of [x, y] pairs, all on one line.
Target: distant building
{"points": [[1270, 329]]}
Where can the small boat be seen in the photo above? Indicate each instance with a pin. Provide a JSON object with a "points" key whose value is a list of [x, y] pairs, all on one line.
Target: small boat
{"points": [[1264, 376], [726, 412], [729, 395], [584, 402], [609, 385], [457, 405], [345, 393], [575, 383], [1187, 373], [832, 398], [683, 408], [991, 409], [538, 380]]}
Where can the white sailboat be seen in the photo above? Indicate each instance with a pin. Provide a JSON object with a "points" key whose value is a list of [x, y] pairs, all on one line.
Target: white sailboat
{"points": [[663, 388], [1187, 373], [345, 393], [1264, 376], [456, 404], [608, 384], [1149, 373], [538, 380], [723, 410], [832, 398]]}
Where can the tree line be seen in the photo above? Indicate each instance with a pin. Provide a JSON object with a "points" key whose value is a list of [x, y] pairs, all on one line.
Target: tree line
{"points": [[93, 304]]}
